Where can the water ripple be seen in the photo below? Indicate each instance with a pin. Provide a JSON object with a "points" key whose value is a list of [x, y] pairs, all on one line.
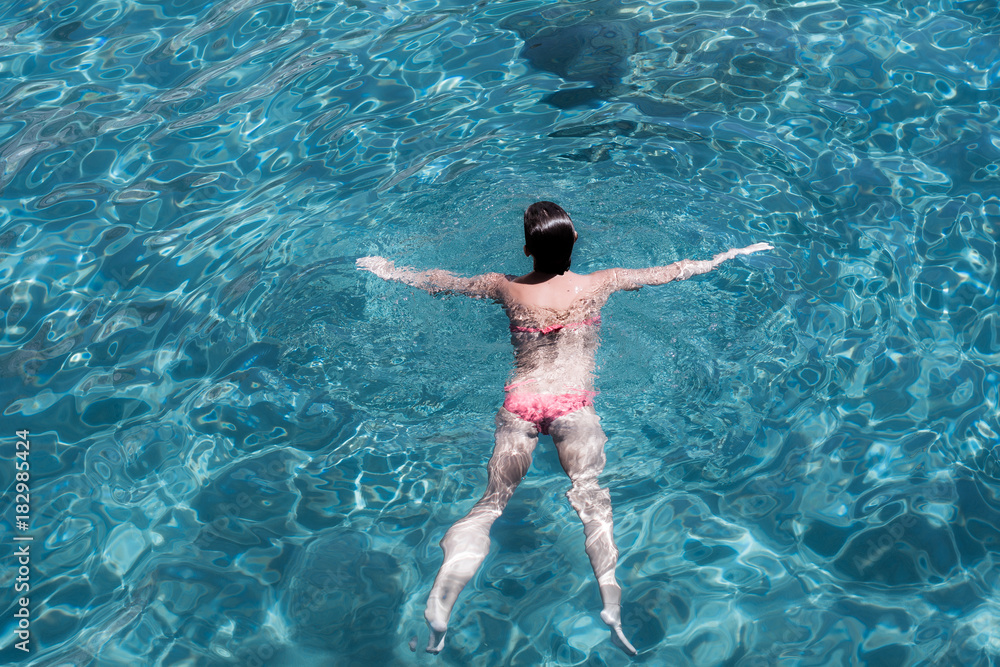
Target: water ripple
{"points": [[245, 453]]}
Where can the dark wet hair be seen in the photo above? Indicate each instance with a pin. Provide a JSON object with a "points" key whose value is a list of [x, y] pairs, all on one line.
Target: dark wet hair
{"points": [[549, 235]]}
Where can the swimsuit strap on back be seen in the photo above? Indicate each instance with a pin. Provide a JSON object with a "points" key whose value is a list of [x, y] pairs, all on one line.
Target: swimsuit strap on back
{"points": [[556, 327]]}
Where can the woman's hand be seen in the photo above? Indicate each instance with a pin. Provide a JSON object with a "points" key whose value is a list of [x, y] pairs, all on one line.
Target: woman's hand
{"points": [[756, 247], [380, 266], [749, 250]]}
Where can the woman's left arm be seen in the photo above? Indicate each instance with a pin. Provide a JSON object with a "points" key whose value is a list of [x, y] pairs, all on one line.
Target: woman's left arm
{"points": [[633, 279], [435, 281]]}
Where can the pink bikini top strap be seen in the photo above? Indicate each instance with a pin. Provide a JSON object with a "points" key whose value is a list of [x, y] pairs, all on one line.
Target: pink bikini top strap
{"points": [[556, 327]]}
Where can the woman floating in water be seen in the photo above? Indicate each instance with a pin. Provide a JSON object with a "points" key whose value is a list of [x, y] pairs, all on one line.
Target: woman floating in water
{"points": [[554, 320]]}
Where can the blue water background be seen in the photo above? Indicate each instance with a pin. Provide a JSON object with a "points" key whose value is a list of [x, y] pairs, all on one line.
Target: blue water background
{"points": [[244, 451]]}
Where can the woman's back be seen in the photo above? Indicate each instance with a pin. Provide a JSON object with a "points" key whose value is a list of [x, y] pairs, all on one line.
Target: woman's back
{"points": [[554, 324]]}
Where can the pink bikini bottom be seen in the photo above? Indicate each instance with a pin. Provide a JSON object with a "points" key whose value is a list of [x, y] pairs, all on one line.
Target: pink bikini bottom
{"points": [[543, 409]]}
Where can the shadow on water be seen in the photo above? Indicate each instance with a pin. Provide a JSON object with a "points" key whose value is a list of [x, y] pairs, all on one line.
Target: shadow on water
{"points": [[579, 44]]}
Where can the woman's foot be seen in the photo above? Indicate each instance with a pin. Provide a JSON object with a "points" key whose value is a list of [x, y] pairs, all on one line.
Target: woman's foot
{"points": [[436, 616], [436, 641], [618, 639], [612, 618]]}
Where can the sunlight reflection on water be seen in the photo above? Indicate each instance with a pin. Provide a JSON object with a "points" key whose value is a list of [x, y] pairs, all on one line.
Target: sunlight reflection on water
{"points": [[245, 452]]}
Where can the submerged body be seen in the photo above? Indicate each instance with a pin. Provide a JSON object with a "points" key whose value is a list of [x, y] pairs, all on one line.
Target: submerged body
{"points": [[555, 324], [554, 346]]}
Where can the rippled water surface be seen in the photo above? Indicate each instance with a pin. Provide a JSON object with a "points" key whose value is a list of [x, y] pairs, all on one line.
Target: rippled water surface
{"points": [[244, 452]]}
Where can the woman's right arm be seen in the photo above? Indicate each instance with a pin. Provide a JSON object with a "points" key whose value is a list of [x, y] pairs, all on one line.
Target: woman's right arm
{"points": [[435, 281], [633, 279]]}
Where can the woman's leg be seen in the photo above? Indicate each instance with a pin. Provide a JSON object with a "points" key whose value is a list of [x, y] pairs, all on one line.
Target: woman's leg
{"points": [[580, 440], [467, 542]]}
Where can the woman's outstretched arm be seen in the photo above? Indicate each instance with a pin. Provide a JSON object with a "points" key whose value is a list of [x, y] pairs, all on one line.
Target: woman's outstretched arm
{"points": [[632, 279], [435, 281]]}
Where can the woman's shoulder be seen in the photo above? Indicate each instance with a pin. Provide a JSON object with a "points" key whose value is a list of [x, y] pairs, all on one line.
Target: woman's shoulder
{"points": [[603, 276], [493, 279]]}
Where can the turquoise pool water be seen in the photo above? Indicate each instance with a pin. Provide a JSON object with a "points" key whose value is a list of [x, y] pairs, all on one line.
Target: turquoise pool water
{"points": [[244, 451]]}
